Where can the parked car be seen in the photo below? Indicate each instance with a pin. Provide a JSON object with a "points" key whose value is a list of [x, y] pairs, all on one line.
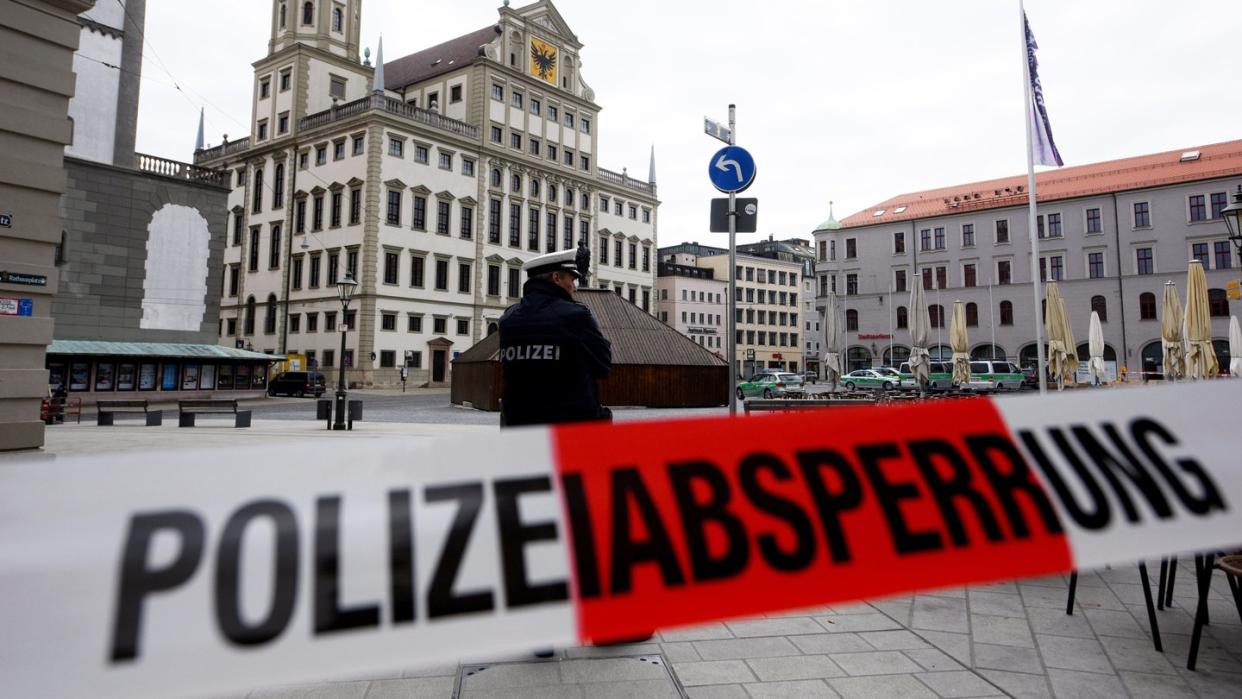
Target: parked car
{"points": [[1030, 378], [939, 377], [770, 384], [810, 377], [869, 379], [999, 375], [297, 383]]}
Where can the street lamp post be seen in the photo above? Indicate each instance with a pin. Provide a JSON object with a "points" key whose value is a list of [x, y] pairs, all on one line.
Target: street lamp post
{"points": [[344, 290], [1233, 220]]}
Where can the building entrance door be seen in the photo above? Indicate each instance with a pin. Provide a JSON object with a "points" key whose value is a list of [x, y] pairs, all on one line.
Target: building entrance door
{"points": [[437, 366]]}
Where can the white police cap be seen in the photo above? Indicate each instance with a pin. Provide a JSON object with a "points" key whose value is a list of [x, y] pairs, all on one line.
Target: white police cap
{"points": [[563, 261]]}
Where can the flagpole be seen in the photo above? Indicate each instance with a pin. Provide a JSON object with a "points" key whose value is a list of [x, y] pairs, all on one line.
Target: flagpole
{"points": [[1030, 187]]}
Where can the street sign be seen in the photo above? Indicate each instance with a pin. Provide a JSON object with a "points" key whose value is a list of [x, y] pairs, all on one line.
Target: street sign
{"points": [[716, 131], [1233, 289], [23, 278], [731, 169], [750, 355], [25, 307], [747, 215], [6, 220], [16, 307]]}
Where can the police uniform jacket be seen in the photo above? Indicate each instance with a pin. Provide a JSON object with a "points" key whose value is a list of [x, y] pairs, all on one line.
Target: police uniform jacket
{"points": [[552, 353]]}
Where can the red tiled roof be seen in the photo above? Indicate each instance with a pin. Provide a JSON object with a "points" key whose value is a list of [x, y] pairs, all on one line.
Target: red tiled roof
{"points": [[437, 60], [1214, 161]]}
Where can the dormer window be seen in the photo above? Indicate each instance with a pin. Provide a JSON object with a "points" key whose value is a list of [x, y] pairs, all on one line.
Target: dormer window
{"points": [[308, 13], [338, 19]]}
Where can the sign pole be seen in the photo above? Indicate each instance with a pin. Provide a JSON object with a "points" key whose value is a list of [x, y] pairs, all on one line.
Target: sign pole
{"points": [[732, 276]]}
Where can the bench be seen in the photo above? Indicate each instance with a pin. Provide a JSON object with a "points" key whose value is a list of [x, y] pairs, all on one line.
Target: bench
{"points": [[766, 404], [109, 409], [188, 409], [55, 410]]}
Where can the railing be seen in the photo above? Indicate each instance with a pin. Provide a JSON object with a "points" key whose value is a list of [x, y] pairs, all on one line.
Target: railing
{"points": [[182, 171], [226, 148], [391, 106], [625, 181]]}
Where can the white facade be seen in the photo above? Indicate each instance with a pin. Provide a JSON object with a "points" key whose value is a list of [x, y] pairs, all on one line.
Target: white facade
{"points": [[108, 67], [432, 192], [695, 304], [768, 312]]}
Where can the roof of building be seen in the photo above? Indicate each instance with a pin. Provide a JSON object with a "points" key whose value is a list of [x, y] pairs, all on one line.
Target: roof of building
{"points": [[437, 60], [1157, 169], [636, 336], [153, 349]]}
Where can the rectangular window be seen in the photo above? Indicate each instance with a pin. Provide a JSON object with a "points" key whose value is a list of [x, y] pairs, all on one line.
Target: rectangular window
{"points": [[1002, 231], [851, 248], [467, 223], [968, 235], [334, 268], [285, 79], [1219, 202], [355, 206], [533, 146], [442, 275], [1004, 272], [1093, 221], [442, 217], [1199, 251], [351, 263], [603, 250], [569, 120], [1142, 215], [550, 232], [493, 280], [551, 152], [314, 271], [515, 282], [295, 322], [312, 322], [420, 153], [388, 358], [1095, 265], [515, 225], [515, 99], [262, 136], [532, 241], [463, 326], [1144, 264], [925, 239], [646, 258], [337, 88], [569, 157], [394, 207], [497, 134], [463, 277], [467, 167], [493, 221], [336, 209], [359, 143], [396, 147], [338, 150], [1198, 208], [851, 286], [1057, 266], [1054, 225], [414, 324], [942, 277], [535, 106], [515, 141], [388, 321], [299, 216], [296, 273], [234, 276], [633, 256], [417, 265], [940, 238], [282, 123], [899, 282], [552, 113], [439, 325], [1224, 256], [391, 264], [317, 213], [567, 232], [498, 92], [616, 248], [446, 161], [273, 251], [968, 275]]}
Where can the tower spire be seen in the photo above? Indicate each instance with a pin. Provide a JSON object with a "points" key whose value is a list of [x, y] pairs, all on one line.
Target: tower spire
{"points": [[198, 143], [378, 84], [651, 176]]}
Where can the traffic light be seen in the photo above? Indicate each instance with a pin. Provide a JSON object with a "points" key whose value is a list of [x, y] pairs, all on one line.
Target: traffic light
{"points": [[1233, 289]]}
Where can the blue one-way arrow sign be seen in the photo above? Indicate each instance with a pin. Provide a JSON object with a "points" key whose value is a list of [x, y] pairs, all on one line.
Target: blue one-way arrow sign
{"points": [[731, 169]]}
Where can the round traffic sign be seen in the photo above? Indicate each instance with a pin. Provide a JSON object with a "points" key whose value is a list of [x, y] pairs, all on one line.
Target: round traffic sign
{"points": [[731, 169]]}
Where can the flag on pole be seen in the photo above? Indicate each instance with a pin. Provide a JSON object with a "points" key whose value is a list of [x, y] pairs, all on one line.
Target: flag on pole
{"points": [[1043, 148]]}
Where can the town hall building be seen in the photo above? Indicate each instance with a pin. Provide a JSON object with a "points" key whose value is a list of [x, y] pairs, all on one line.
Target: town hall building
{"points": [[430, 178]]}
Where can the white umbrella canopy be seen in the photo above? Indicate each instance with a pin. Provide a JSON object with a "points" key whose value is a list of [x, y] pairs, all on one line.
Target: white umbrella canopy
{"points": [[1095, 345], [1062, 358], [920, 324], [1235, 346], [832, 341], [1171, 332], [960, 344], [1201, 358]]}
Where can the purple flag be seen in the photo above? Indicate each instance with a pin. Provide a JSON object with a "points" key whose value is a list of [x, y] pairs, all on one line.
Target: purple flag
{"points": [[1043, 148]]}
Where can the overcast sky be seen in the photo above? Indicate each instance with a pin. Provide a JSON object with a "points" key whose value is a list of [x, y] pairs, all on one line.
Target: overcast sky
{"points": [[853, 101]]}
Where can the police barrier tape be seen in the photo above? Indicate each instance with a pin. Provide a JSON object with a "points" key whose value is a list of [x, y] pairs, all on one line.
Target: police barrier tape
{"points": [[197, 573]]}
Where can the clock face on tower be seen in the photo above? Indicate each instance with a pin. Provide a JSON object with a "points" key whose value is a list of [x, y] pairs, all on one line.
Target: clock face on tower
{"points": [[543, 60]]}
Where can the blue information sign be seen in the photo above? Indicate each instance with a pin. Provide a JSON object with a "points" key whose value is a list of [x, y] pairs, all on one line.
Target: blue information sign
{"points": [[25, 307], [731, 169]]}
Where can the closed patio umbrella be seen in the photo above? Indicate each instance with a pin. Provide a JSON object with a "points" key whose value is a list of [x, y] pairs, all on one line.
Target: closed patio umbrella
{"points": [[1071, 345], [832, 342], [1235, 346], [1173, 355], [919, 326], [960, 344], [1095, 345], [1062, 358], [1200, 358]]}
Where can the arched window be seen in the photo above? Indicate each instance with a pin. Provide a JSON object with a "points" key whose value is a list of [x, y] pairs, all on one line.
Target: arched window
{"points": [[278, 186], [972, 315], [534, 189], [1006, 313], [1084, 352], [308, 13], [1153, 360], [895, 355], [552, 193], [935, 313], [903, 317], [1100, 307], [515, 184], [1028, 356], [1147, 306], [495, 177], [283, 13], [248, 322], [851, 320], [1218, 303], [857, 358], [269, 315], [338, 19], [989, 351], [492, 327], [1222, 355]]}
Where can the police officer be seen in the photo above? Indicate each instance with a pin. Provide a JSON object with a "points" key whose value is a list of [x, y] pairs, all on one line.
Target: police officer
{"points": [[551, 349]]}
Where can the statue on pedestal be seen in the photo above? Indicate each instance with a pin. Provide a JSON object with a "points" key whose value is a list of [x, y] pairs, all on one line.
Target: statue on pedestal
{"points": [[583, 261]]}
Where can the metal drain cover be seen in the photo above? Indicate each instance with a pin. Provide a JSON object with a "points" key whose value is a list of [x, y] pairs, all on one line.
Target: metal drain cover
{"points": [[626, 676]]}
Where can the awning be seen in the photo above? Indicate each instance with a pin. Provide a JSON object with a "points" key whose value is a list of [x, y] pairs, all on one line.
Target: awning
{"points": [[154, 349]]}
